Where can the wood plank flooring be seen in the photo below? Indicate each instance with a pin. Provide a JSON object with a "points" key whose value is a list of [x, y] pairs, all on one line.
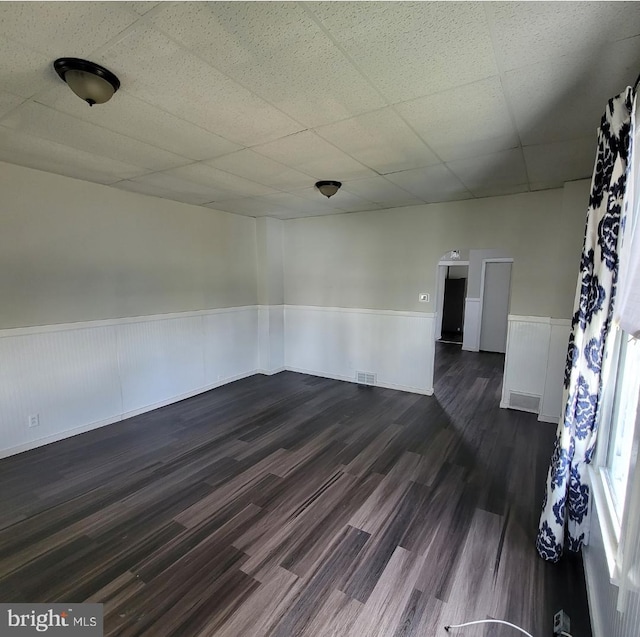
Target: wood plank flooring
{"points": [[292, 505]]}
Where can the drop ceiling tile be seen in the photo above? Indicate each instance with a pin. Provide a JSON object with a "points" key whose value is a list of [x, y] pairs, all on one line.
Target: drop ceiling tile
{"points": [[466, 121], [312, 155], [380, 140], [9, 101], [158, 71], [566, 97], [139, 120], [264, 170], [171, 187], [410, 49], [528, 32], [229, 186], [505, 168], [63, 29], [34, 152], [42, 121], [381, 191], [432, 184], [279, 51], [561, 161], [22, 71]]}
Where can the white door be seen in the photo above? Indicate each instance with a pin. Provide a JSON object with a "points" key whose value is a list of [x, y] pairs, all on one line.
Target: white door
{"points": [[495, 307]]}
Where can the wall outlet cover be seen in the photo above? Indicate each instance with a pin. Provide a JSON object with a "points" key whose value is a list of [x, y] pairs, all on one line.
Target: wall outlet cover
{"points": [[423, 297], [34, 420]]}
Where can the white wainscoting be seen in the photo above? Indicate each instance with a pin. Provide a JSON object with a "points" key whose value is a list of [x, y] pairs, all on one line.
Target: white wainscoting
{"points": [[551, 408], [84, 375], [606, 621], [397, 347], [472, 321], [534, 365], [270, 339], [80, 376]]}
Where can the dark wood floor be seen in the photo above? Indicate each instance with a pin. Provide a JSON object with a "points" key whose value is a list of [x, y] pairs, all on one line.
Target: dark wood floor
{"points": [[294, 505]]}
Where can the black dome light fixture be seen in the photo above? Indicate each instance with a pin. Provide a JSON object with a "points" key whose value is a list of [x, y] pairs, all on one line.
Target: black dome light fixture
{"points": [[328, 188], [89, 81]]}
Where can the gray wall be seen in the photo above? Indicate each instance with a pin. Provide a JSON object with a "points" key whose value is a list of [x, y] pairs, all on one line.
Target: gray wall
{"points": [[75, 251], [383, 259]]}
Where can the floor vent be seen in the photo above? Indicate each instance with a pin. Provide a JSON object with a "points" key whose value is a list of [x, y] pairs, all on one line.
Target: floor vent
{"points": [[524, 402], [365, 378]]}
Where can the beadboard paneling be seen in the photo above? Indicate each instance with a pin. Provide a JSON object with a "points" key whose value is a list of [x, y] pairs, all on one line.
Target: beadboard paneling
{"points": [[159, 359], [69, 378], [551, 407], [336, 342], [271, 338], [79, 376], [230, 344], [606, 621], [534, 363]]}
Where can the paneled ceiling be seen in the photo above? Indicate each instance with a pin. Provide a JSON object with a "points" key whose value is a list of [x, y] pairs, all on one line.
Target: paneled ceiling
{"points": [[242, 106]]}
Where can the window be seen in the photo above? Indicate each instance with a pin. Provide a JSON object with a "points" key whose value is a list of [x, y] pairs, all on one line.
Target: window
{"points": [[622, 423], [617, 441]]}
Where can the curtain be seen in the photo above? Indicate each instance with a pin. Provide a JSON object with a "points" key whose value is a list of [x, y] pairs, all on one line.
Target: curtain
{"points": [[566, 503]]}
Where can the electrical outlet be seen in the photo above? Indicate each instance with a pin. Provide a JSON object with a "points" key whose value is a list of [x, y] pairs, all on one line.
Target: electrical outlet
{"points": [[561, 624], [423, 297], [34, 420]]}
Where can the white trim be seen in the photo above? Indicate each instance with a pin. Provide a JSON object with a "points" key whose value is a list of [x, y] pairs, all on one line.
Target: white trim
{"points": [[184, 396], [609, 525], [68, 433], [412, 390], [356, 310], [80, 325], [59, 435], [63, 327], [452, 263], [270, 307], [545, 418], [519, 318], [268, 372]]}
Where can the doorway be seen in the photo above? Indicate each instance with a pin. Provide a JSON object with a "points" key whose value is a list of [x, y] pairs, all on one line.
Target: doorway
{"points": [[455, 292]]}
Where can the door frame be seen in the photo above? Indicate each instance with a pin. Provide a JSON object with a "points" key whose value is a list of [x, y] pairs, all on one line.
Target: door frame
{"points": [[441, 275], [483, 272]]}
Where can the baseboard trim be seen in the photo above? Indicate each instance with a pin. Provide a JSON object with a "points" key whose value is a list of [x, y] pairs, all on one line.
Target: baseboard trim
{"points": [[271, 372], [189, 394], [60, 435], [548, 418], [76, 431], [411, 390]]}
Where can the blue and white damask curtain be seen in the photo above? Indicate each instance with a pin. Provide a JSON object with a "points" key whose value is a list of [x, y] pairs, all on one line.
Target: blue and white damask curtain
{"points": [[566, 504]]}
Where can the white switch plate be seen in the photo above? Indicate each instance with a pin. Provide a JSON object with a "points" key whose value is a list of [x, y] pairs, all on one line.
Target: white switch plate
{"points": [[423, 297], [34, 421]]}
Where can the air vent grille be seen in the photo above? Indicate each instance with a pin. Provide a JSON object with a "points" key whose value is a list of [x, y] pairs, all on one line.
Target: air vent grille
{"points": [[524, 402], [365, 378]]}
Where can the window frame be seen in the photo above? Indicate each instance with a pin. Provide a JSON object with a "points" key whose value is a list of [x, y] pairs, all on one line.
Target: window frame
{"points": [[611, 524]]}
